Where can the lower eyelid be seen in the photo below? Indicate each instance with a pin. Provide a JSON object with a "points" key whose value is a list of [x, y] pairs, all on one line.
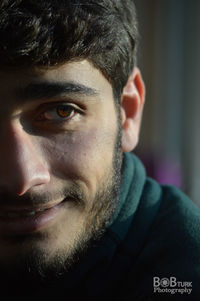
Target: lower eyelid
{"points": [[56, 115], [74, 114], [52, 110]]}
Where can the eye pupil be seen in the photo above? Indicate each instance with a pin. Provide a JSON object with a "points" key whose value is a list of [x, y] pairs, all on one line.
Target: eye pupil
{"points": [[63, 111]]}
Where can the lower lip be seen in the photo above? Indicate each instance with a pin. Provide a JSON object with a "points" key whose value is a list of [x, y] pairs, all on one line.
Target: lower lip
{"points": [[29, 224]]}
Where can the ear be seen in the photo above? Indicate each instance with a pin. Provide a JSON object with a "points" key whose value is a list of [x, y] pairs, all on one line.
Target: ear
{"points": [[132, 102]]}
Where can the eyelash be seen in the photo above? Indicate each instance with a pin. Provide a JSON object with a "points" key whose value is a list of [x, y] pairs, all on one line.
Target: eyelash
{"points": [[54, 110]]}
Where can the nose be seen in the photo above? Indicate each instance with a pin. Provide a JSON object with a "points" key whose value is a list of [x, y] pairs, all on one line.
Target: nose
{"points": [[21, 163]]}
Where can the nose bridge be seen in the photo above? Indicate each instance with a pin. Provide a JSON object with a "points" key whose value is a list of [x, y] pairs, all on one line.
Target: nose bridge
{"points": [[21, 162], [19, 147]]}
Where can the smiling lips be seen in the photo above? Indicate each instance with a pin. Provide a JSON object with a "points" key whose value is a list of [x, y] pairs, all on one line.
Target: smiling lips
{"points": [[22, 213], [16, 221]]}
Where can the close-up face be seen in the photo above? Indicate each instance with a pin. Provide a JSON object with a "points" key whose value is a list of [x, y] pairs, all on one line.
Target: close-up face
{"points": [[60, 161]]}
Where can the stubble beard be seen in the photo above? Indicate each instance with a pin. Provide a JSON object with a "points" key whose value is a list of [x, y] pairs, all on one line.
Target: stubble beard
{"points": [[36, 267]]}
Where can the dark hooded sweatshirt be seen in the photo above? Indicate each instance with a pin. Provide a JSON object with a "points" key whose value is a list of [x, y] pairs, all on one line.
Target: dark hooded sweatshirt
{"points": [[155, 232]]}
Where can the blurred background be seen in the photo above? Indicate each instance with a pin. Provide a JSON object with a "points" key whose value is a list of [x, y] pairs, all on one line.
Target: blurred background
{"points": [[169, 58]]}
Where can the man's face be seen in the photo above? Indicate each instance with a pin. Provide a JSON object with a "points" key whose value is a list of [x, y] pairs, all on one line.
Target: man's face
{"points": [[60, 162]]}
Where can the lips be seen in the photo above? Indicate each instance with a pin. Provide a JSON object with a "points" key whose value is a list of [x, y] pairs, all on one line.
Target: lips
{"points": [[17, 214], [27, 220]]}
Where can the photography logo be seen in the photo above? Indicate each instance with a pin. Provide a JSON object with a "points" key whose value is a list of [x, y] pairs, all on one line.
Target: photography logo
{"points": [[171, 285]]}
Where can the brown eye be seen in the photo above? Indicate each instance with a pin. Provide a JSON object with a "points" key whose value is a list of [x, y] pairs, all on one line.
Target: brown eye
{"points": [[64, 111], [60, 112]]}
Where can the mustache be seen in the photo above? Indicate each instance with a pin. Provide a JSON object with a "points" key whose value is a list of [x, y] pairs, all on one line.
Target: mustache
{"points": [[72, 193]]}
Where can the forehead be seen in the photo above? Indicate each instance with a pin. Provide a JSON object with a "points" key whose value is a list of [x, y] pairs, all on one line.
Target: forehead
{"points": [[81, 74]]}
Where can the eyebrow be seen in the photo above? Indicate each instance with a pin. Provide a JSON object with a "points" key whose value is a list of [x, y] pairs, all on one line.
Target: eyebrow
{"points": [[52, 89]]}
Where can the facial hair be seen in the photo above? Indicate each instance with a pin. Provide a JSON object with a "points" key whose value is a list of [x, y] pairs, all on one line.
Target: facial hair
{"points": [[35, 267]]}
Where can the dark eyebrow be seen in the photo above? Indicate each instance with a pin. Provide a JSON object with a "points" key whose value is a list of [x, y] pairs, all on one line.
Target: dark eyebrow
{"points": [[52, 89]]}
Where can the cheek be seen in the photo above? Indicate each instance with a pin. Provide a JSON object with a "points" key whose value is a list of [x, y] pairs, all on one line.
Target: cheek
{"points": [[79, 154]]}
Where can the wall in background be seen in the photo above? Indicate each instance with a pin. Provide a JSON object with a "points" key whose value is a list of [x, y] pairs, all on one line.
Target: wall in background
{"points": [[169, 58]]}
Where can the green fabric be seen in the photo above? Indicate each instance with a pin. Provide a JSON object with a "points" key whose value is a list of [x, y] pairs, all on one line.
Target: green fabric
{"points": [[133, 179], [156, 233], [163, 241]]}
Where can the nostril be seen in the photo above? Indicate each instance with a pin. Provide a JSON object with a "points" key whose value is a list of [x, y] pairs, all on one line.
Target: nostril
{"points": [[37, 177]]}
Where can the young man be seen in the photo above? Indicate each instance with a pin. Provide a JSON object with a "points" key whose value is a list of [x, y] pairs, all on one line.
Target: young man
{"points": [[78, 217]]}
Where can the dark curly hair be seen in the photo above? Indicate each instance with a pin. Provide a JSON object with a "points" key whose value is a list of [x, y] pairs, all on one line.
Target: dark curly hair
{"points": [[50, 32]]}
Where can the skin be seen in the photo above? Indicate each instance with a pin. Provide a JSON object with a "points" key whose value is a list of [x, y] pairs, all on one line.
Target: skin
{"points": [[45, 157]]}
